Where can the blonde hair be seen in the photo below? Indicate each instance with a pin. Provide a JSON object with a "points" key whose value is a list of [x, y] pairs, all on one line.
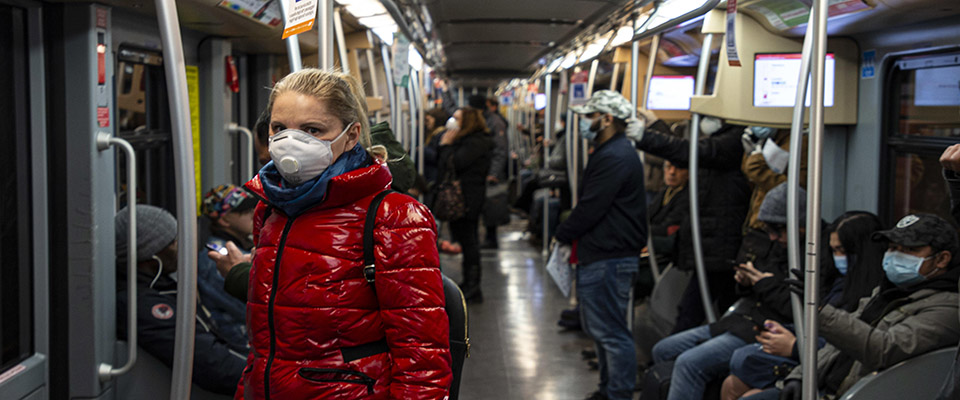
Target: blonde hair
{"points": [[341, 92]]}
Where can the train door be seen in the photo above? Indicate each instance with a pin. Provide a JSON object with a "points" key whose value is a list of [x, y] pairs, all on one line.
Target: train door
{"points": [[24, 350]]}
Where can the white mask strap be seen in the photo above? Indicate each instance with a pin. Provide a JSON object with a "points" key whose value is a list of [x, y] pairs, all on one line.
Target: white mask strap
{"points": [[159, 271]]}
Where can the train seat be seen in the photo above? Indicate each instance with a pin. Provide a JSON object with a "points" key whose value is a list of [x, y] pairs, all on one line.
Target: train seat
{"points": [[924, 373]]}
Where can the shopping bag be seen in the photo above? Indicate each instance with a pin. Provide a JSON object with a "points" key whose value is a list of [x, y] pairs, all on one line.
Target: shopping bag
{"points": [[560, 269]]}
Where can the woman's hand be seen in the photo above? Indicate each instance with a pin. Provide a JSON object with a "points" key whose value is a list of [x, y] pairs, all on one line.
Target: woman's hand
{"points": [[449, 136], [748, 275], [776, 340]]}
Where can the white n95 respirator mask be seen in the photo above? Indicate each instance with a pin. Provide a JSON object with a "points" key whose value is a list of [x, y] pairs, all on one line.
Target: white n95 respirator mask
{"points": [[300, 156]]}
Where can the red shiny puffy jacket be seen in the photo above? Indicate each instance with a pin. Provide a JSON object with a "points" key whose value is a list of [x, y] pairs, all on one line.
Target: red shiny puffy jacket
{"points": [[310, 310]]}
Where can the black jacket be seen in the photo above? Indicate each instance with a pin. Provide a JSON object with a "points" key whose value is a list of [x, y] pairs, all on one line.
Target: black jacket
{"points": [[216, 366], [664, 218], [471, 155], [724, 191], [610, 220]]}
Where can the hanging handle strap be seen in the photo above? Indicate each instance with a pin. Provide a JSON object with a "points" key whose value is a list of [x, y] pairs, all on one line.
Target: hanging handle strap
{"points": [[369, 269]]}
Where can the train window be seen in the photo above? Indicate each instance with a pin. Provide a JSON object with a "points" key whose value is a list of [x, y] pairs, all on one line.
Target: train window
{"points": [[143, 119], [922, 119], [16, 326]]}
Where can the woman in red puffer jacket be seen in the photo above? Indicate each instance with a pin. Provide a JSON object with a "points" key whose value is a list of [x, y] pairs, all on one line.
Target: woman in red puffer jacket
{"points": [[318, 329]]}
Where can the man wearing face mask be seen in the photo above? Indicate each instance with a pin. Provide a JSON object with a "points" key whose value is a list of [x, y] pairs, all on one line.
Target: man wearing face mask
{"points": [[724, 196], [608, 227], [217, 365], [913, 312]]}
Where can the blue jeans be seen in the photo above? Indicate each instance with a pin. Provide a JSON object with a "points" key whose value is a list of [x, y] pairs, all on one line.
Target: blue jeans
{"points": [[699, 357], [603, 289]]}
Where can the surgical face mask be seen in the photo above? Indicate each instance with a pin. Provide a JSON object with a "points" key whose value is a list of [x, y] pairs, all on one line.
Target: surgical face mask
{"points": [[300, 156], [762, 132], [557, 127], [452, 124], [841, 263], [903, 269], [710, 125], [585, 131]]}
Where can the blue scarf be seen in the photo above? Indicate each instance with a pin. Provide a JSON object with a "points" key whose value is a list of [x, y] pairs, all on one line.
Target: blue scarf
{"points": [[294, 200]]}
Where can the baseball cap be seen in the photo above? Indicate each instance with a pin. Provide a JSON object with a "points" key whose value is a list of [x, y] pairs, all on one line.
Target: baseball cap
{"points": [[607, 102], [226, 198], [921, 229]]}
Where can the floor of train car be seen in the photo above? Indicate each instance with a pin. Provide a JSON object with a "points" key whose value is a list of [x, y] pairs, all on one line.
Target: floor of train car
{"points": [[517, 349]]}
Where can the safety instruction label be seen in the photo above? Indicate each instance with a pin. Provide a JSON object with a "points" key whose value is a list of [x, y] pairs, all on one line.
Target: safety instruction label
{"points": [[401, 60], [300, 17], [732, 57], [868, 67], [193, 94], [103, 117], [578, 88]]}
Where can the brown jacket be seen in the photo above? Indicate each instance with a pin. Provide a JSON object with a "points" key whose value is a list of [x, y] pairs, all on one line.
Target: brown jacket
{"points": [[764, 179]]}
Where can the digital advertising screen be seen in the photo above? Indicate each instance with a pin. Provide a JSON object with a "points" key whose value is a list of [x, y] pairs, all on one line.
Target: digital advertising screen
{"points": [[775, 79], [670, 92]]}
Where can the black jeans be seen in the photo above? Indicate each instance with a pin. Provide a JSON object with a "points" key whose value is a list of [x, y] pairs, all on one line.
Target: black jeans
{"points": [[464, 231]]}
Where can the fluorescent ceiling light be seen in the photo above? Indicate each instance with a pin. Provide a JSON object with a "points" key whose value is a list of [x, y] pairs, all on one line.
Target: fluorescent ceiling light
{"points": [[363, 8], [555, 64], [376, 21], [624, 35], [414, 59], [670, 10], [595, 48], [385, 33], [570, 59]]}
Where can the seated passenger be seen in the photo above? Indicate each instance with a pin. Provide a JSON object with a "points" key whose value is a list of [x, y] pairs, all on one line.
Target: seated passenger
{"points": [[950, 159], [724, 198], [703, 354], [914, 311], [857, 259], [229, 213], [669, 208], [216, 367]]}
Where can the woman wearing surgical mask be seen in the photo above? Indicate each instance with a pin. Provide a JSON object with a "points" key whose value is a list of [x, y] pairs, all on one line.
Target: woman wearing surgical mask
{"points": [[856, 256], [467, 149], [319, 326]]}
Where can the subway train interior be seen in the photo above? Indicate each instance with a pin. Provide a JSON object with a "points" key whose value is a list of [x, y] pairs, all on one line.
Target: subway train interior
{"points": [[112, 105]]}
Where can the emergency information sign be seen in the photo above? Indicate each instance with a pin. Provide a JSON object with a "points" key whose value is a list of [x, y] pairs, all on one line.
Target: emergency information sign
{"points": [[302, 14]]}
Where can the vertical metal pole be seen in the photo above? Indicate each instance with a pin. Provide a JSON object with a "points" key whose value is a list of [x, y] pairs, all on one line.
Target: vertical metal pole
{"points": [[585, 146], [412, 94], [694, 189], [341, 42], [325, 29], [614, 77], [793, 182], [814, 174], [654, 48], [293, 44], [547, 137], [391, 90], [460, 96], [634, 100], [186, 198], [573, 156], [420, 118], [374, 82]]}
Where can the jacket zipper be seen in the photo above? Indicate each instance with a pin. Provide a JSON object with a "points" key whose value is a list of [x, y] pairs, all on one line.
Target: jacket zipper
{"points": [[273, 298], [362, 378]]}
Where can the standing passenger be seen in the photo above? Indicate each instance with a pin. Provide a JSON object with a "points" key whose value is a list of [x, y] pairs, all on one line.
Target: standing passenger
{"points": [[467, 150], [609, 229], [320, 328]]}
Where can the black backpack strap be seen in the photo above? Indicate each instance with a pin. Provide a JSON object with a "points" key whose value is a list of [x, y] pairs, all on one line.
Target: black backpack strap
{"points": [[369, 269]]}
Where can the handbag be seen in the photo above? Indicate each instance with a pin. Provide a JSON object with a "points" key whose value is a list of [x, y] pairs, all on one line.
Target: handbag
{"points": [[449, 204]]}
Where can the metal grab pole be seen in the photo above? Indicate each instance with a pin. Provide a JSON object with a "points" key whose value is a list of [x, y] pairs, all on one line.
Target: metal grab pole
{"points": [[421, 130], [793, 182], [547, 130], [341, 41], [104, 141], [634, 99], [391, 91], [293, 44], [694, 189], [412, 102], [814, 174], [591, 79], [654, 49], [374, 83], [186, 198], [235, 127], [325, 31]]}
